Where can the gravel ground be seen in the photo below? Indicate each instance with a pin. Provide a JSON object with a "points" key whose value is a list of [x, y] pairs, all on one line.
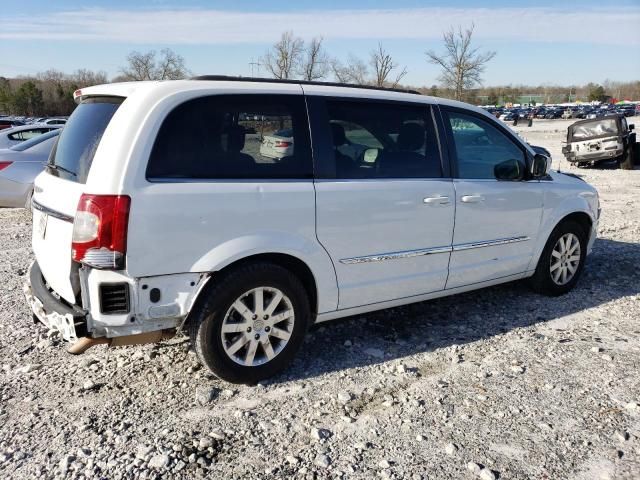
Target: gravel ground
{"points": [[498, 383]]}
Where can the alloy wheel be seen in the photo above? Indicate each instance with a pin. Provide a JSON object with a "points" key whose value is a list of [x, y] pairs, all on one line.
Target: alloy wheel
{"points": [[257, 326], [565, 259]]}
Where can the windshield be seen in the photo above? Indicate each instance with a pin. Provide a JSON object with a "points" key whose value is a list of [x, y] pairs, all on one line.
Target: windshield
{"points": [[607, 126], [71, 158], [35, 141]]}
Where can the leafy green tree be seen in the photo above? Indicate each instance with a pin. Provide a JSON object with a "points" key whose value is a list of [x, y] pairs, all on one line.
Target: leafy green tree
{"points": [[6, 96], [493, 97], [28, 99], [597, 93]]}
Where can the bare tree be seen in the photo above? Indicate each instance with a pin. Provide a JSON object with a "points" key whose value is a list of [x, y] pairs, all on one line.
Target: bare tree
{"points": [[383, 66], [283, 60], [355, 71], [170, 66], [462, 65], [85, 78], [143, 66], [140, 66], [315, 65]]}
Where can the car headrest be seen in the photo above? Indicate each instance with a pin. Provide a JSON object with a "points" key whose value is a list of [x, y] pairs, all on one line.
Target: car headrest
{"points": [[235, 138], [337, 132], [411, 137]]}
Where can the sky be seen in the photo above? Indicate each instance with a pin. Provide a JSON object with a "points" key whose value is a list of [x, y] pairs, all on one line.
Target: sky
{"points": [[543, 42]]}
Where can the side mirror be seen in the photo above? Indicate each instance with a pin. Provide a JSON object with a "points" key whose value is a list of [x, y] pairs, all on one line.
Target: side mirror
{"points": [[540, 165], [631, 127], [509, 170]]}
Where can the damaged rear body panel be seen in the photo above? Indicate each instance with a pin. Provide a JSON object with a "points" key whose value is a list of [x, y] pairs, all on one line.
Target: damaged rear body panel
{"points": [[596, 140], [114, 305]]}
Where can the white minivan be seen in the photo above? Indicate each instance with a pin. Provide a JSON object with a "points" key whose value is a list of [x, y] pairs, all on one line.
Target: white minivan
{"points": [[159, 211]]}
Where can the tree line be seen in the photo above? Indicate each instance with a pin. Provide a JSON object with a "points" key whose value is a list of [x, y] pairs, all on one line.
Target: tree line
{"points": [[460, 63], [50, 93]]}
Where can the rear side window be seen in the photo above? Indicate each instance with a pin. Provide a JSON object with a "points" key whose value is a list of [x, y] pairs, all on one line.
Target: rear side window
{"points": [[45, 140], [383, 140], [28, 134], [234, 137], [72, 156]]}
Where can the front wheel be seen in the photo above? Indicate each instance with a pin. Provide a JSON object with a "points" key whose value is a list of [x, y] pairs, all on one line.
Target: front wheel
{"points": [[251, 323], [562, 260]]}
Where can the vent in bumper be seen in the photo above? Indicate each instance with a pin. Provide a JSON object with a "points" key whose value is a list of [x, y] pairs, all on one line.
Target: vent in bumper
{"points": [[114, 298]]}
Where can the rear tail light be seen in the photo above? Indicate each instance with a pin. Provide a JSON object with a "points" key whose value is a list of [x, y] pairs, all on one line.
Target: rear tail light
{"points": [[100, 231], [4, 165], [280, 143]]}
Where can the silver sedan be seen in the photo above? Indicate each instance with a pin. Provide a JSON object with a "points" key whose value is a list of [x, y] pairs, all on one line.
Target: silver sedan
{"points": [[19, 166], [13, 136]]}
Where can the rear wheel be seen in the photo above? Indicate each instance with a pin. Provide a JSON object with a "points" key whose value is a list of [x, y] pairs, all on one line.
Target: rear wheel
{"points": [[251, 324], [562, 260]]}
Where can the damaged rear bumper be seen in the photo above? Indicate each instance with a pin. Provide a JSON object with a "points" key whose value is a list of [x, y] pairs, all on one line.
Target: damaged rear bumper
{"points": [[53, 312]]}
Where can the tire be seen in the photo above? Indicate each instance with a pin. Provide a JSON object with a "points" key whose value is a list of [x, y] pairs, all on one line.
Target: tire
{"points": [[27, 203], [625, 161], [543, 280], [229, 355]]}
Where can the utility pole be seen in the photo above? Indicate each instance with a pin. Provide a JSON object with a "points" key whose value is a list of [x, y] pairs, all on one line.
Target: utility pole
{"points": [[255, 65]]}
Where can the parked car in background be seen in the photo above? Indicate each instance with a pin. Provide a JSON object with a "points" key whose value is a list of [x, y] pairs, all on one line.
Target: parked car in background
{"points": [[592, 141], [9, 123], [147, 219], [626, 111], [19, 166], [55, 121], [13, 136], [555, 113], [541, 112], [277, 145]]}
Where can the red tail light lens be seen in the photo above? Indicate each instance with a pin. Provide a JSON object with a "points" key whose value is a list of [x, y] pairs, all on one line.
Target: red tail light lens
{"points": [[280, 143], [100, 230], [4, 165]]}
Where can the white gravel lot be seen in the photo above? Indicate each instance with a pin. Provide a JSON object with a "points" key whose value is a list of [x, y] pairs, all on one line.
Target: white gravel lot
{"points": [[498, 383]]}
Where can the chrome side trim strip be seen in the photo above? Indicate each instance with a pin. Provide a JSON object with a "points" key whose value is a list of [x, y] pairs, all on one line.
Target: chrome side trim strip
{"points": [[395, 255], [380, 257], [489, 243], [51, 212]]}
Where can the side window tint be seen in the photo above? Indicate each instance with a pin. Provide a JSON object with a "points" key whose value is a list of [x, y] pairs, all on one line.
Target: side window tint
{"points": [[382, 140], [480, 146], [234, 137]]}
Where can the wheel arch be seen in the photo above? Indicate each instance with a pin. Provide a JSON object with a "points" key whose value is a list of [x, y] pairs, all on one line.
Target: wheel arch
{"points": [[290, 262], [581, 216], [294, 264]]}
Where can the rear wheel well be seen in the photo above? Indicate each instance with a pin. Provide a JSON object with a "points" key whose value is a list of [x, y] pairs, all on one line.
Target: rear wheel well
{"points": [[291, 263]]}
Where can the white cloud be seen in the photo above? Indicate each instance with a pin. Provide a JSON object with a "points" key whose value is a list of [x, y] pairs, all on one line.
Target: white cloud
{"points": [[591, 26]]}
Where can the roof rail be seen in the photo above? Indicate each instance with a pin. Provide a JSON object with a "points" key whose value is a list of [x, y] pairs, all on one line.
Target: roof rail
{"points": [[228, 78]]}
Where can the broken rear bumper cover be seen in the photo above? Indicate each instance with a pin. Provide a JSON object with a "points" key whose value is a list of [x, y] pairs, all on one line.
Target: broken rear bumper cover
{"points": [[56, 314], [147, 319]]}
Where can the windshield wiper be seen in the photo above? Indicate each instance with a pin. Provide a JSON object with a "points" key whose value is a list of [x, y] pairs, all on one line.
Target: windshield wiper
{"points": [[62, 169]]}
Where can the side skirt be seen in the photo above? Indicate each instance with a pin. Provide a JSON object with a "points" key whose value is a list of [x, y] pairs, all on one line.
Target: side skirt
{"points": [[324, 317]]}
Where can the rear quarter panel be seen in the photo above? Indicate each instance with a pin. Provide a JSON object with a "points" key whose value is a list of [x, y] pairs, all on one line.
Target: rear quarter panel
{"points": [[203, 226]]}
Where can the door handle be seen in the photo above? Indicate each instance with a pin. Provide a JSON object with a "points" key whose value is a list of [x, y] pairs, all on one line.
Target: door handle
{"points": [[437, 200], [472, 198]]}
